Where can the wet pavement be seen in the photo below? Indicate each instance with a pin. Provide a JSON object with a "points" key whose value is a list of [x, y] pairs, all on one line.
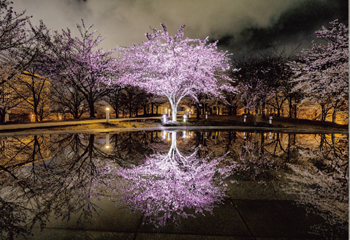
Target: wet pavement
{"points": [[235, 219]]}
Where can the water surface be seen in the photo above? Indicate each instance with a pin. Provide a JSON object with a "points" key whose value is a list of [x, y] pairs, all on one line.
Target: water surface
{"points": [[261, 184]]}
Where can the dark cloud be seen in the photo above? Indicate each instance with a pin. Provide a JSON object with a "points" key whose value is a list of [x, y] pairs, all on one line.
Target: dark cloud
{"points": [[241, 26], [295, 26]]}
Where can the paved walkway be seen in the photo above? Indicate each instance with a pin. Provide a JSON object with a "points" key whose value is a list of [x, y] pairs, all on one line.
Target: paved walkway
{"points": [[65, 123], [236, 219], [9, 127]]}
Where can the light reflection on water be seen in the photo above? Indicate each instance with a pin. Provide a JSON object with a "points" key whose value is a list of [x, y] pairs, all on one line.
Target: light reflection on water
{"points": [[169, 175]]}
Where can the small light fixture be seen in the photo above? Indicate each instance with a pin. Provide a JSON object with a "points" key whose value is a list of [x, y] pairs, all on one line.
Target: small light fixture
{"points": [[107, 115]]}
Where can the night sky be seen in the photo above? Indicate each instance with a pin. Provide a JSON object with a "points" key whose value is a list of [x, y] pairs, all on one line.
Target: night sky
{"points": [[243, 27]]}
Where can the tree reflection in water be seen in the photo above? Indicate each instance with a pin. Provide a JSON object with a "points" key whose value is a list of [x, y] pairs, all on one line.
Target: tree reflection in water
{"points": [[59, 186], [322, 185], [169, 186], [58, 176]]}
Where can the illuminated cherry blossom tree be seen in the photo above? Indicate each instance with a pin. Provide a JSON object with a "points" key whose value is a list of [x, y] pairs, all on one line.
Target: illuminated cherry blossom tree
{"points": [[77, 63], [175, 67], [167, 185], [324, 69]]}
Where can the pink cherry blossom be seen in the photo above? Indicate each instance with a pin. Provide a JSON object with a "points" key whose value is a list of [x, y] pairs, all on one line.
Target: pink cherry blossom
{"points": [[175, 67], [167, 185]]}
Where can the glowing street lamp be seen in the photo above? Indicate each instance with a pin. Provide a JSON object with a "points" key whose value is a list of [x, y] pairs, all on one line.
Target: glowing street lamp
{"points": [[164, 118], [185, 117], [245, 118], [270, 135], [270, 120], [206, 115], [107, 115], [189, 114], [244, 136]]}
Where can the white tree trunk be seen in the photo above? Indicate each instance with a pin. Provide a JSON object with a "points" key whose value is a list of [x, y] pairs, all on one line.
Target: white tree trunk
{"points": [[173, 105], [174, 112], [174, 154], [172, 150]]}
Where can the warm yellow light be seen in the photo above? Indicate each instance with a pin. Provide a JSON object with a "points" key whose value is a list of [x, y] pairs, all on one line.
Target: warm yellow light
{"points": [[107, 109], [107, 146]]}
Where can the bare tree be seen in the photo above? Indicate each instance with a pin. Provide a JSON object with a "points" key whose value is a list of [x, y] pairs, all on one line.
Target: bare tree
{"points": [[68, 97], [8, 96]]}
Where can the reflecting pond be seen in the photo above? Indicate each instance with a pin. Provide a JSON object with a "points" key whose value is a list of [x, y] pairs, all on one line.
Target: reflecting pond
{"points": [[261, 184]]}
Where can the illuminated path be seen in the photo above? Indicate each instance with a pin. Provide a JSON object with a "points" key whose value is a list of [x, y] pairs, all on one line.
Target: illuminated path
{"points": [[65, 123], [161, 128]]}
